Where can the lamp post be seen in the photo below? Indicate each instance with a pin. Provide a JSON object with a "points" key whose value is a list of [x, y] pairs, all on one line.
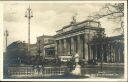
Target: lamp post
{"points": [[29, 15], [39, 51], [6, 34]]}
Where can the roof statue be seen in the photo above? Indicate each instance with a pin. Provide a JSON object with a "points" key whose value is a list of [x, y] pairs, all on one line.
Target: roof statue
{"points": [[74, 19]]}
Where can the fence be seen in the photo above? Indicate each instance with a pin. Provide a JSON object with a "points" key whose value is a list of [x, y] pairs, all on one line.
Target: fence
{"points": [[47, 72], [26, 72]]}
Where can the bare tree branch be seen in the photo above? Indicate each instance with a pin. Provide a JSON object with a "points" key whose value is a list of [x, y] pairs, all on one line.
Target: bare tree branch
{"points": [[113, 12]]}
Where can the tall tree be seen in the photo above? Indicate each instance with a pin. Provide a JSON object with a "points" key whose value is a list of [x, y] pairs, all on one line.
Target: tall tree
{"points": [[16, 52], [113, 12]]}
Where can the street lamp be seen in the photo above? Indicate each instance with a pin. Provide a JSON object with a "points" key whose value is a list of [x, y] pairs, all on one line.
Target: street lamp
{"points": [[6, 34], [39, 51], [6, 64], [29, 15]]}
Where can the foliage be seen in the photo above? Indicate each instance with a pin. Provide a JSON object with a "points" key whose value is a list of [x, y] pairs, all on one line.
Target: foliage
{"points": [[16, 53]]}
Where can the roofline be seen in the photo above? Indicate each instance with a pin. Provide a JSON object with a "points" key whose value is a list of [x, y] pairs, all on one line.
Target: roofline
{"points": [[45, 36], [78, 24]]}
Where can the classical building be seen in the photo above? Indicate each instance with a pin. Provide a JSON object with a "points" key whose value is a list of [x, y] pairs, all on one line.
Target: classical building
{"points": [[75, 38], [87, 38], [109, 49], [116, 49]]}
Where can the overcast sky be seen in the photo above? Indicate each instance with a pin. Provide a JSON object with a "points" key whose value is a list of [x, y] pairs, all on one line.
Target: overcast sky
{"points": [[48, 18]]}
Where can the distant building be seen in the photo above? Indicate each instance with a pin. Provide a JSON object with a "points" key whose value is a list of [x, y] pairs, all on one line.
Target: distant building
{"points": [[46, 46], [116, 49], [49, 50]]}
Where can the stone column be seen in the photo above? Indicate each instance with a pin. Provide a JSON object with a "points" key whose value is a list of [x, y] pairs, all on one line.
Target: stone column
{"points": [[93, 56], [65, 47], [60, 47], [108, 53], [119, 55], [86, 47], [90, 51], [79, 45], [114, 55], [69, 46], [111, 53], [56, 48], [122, 56], [96, 51], [72, 46]]}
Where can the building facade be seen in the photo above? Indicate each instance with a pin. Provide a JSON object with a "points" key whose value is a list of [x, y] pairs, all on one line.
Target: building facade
{"points": [[116, 49], [46, 46], [88, 39], [75, 38]]}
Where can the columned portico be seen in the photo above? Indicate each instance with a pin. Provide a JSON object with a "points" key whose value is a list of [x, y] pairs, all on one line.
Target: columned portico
{"points": [[76, 39]]}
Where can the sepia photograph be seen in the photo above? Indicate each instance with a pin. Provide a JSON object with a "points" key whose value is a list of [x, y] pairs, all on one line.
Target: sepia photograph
{"points": [[64, 40]]}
